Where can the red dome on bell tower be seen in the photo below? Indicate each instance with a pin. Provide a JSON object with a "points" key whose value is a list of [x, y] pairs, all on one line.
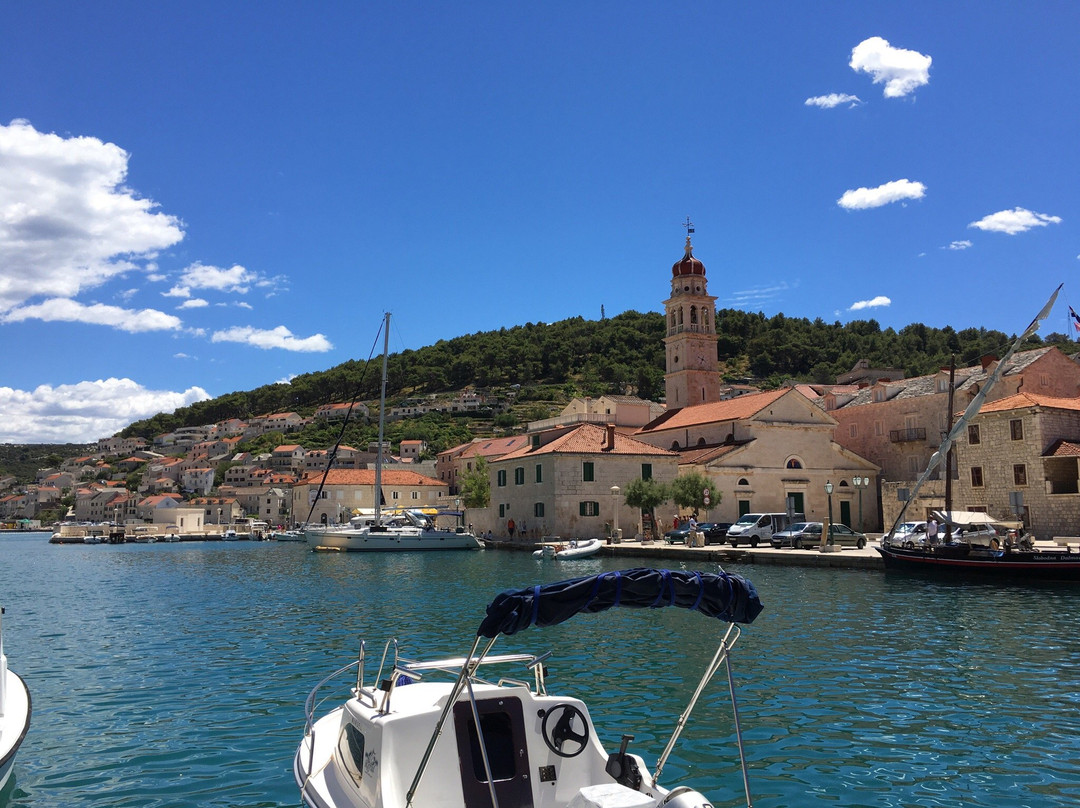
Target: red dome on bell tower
{"points": [[688, 265]]}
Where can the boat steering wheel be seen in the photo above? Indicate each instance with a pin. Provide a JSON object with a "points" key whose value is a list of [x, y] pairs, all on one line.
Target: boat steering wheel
{"points": [[562, 730]]}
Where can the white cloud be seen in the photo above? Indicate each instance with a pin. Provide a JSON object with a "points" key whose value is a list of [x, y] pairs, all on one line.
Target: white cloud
{"points": [[279, 337], [895, 191], [194, 303], [231, 280], [832, 100], [901, 71], [85, 411], [67, 221], [958, 245], [756, 295], [70, 311], [873, 303], [1017, 220]]}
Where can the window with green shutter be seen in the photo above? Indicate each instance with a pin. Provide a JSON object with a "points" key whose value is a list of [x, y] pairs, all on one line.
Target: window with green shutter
{"points": [[539, 473], [501, 478], [587, 472], [519, 475], [646, 471], [538, 510]]}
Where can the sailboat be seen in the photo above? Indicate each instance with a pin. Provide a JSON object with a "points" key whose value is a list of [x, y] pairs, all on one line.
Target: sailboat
{"points": [[1004, 561], [410, 529]]}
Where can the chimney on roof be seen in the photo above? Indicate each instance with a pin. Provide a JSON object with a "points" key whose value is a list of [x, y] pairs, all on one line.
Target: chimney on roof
{"points": [[610, 443], [987, 360]]}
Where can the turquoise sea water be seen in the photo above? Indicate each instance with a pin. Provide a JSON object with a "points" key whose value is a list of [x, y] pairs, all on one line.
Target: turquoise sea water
{"points": [[175, 674]]}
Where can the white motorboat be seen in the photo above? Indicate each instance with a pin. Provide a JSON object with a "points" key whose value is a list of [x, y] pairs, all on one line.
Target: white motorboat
{"points": [[14, 713], [569, 550], [409, 530], [474, 738]]}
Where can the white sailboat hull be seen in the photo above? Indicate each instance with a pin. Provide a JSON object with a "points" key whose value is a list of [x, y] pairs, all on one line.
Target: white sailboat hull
{"points": [[392, 539]]}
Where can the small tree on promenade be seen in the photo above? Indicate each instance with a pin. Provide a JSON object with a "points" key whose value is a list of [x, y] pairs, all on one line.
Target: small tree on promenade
{"points": [[645, 495], [688, 491]]}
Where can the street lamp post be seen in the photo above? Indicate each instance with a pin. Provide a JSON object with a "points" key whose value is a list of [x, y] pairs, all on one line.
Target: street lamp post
{"points": [[826, 533], [615, 513], [860, 483]]}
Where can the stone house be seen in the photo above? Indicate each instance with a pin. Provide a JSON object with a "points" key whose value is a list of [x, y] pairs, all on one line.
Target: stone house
{"points": [[218, 510], [898, 424], [766, 453], [619, 410], [560, 483], [1021, 458]]}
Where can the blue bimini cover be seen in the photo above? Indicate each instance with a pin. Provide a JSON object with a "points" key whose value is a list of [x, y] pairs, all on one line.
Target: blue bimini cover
{"points": [[726, 597]]}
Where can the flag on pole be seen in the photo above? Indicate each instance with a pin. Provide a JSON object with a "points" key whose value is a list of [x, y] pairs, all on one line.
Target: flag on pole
{"points": [[1075, 318]]}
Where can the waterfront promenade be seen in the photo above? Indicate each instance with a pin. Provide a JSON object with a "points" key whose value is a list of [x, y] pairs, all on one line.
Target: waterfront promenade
{"points": [[848, 558]]}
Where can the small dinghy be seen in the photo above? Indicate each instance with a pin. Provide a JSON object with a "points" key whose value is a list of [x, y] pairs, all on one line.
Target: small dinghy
{"points": [[482, 730], [567, 551], [14, 713]]}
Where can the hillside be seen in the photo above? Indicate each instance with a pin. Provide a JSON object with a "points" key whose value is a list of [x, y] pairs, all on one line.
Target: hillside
{"points": [[547, 364]]}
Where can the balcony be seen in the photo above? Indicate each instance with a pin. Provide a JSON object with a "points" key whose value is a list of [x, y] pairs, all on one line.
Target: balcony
{"points": [[907, 435]]}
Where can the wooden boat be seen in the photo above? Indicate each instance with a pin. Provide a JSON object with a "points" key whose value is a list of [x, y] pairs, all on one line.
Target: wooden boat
{"points": [[475, 738], [14, 713], [569, 550]]}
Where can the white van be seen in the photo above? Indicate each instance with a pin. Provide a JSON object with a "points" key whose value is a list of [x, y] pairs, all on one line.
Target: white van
{"points": [[759, 527]]}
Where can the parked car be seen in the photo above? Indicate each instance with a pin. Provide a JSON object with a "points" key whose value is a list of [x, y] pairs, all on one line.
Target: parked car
{"points": [[908, 534], [715, 532], [798, 535], [845, 536], [758, 527], [679, 535]]}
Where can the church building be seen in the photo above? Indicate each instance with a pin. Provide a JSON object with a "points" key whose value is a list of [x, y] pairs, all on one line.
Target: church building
{"points": [[762, 452]]}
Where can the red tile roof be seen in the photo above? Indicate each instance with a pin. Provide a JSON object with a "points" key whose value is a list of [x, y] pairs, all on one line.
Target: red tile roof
{"points": [[590, 439], [1021, 400], [367, 477], [733, 409]]}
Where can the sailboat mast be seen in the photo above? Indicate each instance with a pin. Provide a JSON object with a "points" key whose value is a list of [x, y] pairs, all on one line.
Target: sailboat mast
{"points": [[949, 454], [382, 421]]}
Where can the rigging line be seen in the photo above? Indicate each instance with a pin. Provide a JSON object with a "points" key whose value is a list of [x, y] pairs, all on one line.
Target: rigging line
{"points": [[332, 454]]}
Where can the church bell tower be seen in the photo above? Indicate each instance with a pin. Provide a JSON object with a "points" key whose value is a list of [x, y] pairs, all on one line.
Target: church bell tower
{"points": [[692, 369]]}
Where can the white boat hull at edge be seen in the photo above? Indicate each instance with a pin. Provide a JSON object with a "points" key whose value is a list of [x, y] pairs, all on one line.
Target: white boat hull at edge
{"points": [[14, 722]]}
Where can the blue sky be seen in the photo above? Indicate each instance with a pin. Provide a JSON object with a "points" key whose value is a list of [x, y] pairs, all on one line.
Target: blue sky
{"points": [[209, 197]]}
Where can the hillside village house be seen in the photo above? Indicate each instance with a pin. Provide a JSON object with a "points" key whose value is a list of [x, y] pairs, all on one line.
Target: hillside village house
{"points": [[766, 453], [452, 463], [560, 484], [218, 510], [624, 411], [345, 491]]}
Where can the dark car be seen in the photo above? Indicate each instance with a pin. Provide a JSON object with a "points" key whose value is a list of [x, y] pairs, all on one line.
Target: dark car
{"points": [[679, 535], [715, 532], [800, 534]]}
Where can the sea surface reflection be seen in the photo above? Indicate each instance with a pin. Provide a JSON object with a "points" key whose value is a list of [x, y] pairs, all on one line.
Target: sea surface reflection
{"points": [[175, 674]]}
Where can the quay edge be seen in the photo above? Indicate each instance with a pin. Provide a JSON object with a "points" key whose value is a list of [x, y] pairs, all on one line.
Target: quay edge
{"points": [[848, 558]]}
